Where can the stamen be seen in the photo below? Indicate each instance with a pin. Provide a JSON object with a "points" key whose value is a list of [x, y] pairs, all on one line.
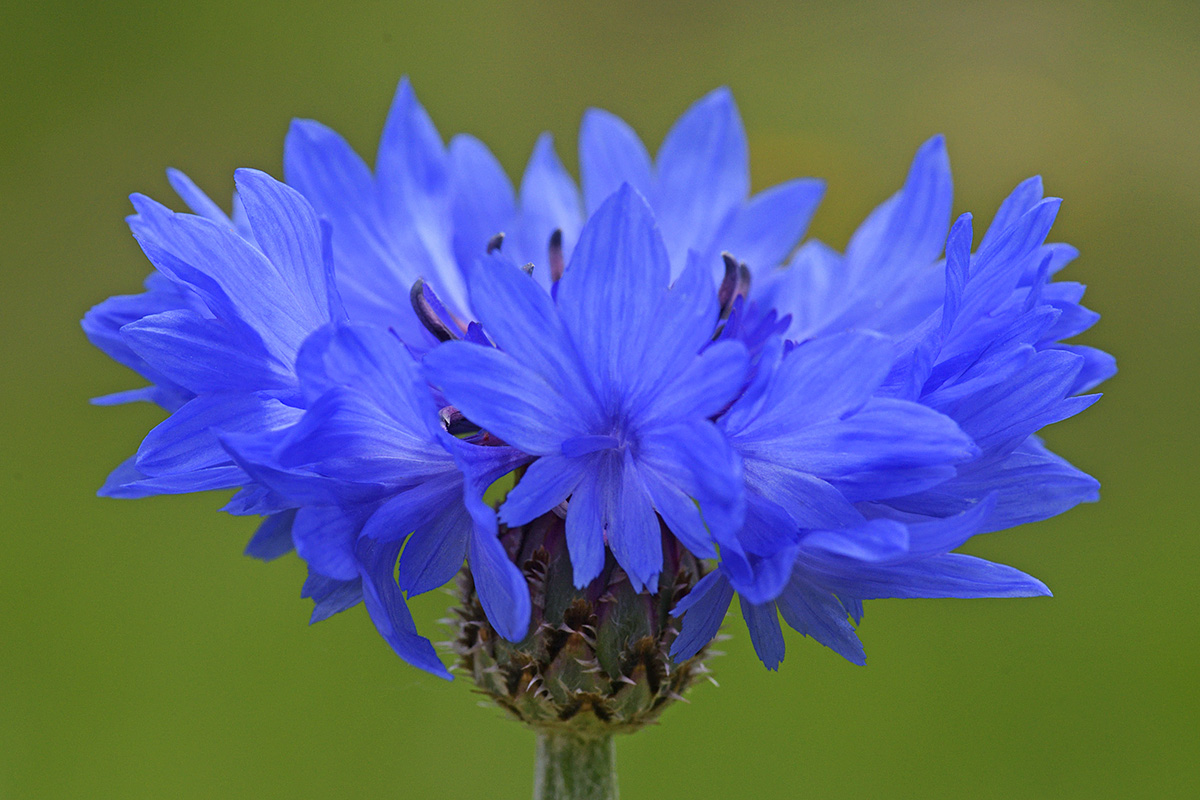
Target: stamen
{"points": [[427, 306], [528, 268], [556, 255], [743, 284], [496, 242], [729, 284], [455, 423]]}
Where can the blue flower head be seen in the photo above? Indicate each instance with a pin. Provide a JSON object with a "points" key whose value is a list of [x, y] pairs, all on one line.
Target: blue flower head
{"points": [[649, 365], [607, 385]]}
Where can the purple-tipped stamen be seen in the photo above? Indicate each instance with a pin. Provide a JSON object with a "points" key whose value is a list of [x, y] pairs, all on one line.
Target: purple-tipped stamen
{"points": [[557, 262], [729, 284], [455, 423], [433, 315]]}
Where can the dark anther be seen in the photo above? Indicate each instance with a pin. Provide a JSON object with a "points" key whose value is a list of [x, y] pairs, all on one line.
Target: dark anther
{"points": [[528, 268], [423, 301], [729, 284], [495, 242], [743, 288], [455, 423], [556, 255]]}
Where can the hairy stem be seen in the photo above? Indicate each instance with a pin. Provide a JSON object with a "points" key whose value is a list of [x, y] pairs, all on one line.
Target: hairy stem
{"points": [[570, 767]]}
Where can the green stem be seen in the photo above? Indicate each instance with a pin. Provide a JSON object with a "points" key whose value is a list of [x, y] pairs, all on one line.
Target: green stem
{"points": [[571, 767]]}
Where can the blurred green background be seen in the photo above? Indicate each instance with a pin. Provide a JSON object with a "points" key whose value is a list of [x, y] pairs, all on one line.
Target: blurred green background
{"points": [[142, 656]]}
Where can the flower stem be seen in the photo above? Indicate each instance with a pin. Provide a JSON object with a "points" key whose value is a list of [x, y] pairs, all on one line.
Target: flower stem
{"points": [[571, 767]]}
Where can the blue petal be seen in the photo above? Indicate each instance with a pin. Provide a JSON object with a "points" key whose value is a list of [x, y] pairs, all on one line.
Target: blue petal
{"points": [[809, 501], [1073, 318], [434, 553], [610, 154], [769, 528], [950, 575], [329, 595], [287, 231], [549, 202], [482, 466], [502, 395], [1027, 194], [703, 610], [612, 288], [709, 383], [256, 501], [375, 362], [685, 320], [1098, 366], [324, 538], [680, 513], [322, 166], [1032, 484], [765, 633], [820, 380], [502, 589], [235, 279], [352, 438], [325, 169], [187, 440], [610, 505], [1003, 416], [703, 172], [273, 537], [103, 322], [763, 232], [256, 455], [195, 198], [501, 585], [511, 308], [886, 437], [632, 528], [854, 607], [811, 290], [241, 225], [411, 165], [948, 384], [696, 459], [818, 614], [484, 204], [588, 517], [958, 265], [997, 268], [413, 180], [146, 394], [890, 279], [943, 535], [758, 579], [204, 354], [547, 482], [910, 228], [414, 508], [126, 482], [588, 444], [388, 611], [875, 540]]}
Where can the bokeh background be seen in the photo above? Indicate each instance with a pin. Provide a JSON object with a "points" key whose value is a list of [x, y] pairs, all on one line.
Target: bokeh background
{"points": [[142, 656]]}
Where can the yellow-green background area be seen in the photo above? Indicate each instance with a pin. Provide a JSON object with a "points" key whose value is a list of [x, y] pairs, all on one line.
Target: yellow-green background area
{"points": [[141, 655]]}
